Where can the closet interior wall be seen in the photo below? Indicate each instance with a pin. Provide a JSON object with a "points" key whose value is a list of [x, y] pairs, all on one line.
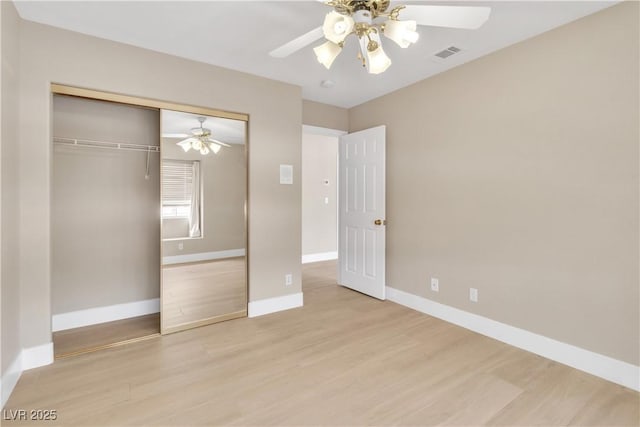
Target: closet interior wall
{"points": [[105, 207]]}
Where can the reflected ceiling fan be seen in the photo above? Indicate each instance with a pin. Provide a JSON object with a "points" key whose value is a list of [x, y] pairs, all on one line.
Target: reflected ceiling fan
{"points": [[368, 19], [200, 139]]}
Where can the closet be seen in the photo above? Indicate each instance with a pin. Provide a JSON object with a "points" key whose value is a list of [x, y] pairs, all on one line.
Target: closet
{"points": [[148, 218], [104, 222]]}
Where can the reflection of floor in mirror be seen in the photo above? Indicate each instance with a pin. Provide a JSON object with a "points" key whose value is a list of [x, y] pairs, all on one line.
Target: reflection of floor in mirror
{"points": [[200, 290], [87, 338]]}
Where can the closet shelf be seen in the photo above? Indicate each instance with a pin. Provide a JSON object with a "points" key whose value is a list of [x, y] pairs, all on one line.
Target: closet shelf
{"points": [[88, 143]]}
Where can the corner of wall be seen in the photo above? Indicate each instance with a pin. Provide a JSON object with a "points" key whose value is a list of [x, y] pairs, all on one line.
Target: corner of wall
{"points": [[324, 115], [9, 379], [26, 359], [37, 356]]}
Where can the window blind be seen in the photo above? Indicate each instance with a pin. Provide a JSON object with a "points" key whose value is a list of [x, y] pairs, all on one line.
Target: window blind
{"points": [[177, 182]]}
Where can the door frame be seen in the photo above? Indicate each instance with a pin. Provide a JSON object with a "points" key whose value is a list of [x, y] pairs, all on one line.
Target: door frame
{"points": [[337, 133]]}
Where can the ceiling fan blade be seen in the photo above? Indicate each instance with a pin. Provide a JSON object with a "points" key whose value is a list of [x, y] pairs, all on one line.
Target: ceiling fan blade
{"points": [[224, 144], [297, 43], [467, 17], [175, 135]]}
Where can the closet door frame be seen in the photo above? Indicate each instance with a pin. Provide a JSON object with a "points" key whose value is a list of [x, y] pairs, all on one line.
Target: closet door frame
{"points": [[60, 89]]}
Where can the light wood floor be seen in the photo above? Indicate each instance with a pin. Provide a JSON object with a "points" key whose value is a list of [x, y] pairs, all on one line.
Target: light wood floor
{"points": [[342, 359], [73, 341], [201, 290]]}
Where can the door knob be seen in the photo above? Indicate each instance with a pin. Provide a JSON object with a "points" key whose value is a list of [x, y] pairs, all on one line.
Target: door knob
{"points": [[380, 222]]}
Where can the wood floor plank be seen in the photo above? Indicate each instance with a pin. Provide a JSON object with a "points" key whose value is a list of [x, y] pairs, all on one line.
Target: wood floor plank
{"points": [[611, 405], [554, 397], [342, 359]]}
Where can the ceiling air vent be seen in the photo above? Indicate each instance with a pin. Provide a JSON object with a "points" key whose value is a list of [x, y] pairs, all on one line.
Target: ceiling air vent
{"points": [[444, 54]]}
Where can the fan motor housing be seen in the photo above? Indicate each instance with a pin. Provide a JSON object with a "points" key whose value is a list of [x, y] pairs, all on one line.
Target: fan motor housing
{"points": [[348, 7], [375, 6]]}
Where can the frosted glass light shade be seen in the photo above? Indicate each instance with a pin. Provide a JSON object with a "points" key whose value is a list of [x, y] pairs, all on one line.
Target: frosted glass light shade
{"points": [[185, 145], [337, 26], [214, 147], [327, 53], [378, 61], [402, 32]]}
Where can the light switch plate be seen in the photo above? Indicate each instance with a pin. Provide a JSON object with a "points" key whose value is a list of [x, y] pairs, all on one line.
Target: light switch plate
{"points": [[473, 294], [286, 174]]}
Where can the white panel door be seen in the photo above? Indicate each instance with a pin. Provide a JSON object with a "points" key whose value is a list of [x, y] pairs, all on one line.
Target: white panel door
{"points": [[361, 221]]}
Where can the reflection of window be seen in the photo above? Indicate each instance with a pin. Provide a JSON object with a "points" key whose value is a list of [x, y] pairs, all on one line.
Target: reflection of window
{"points": [[177, 188]]}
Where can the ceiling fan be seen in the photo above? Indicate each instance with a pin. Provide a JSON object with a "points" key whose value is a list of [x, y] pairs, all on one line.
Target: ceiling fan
{"points": [[368, 19], [200, 139]]}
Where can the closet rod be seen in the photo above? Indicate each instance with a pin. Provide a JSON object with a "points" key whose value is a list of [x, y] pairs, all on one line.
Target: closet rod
{"points": [[88, 143]]}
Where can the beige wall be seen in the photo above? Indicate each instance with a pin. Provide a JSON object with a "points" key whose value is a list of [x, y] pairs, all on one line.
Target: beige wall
{"points": [[224, 190], [517, 174], [54, 55], [319, 220], [174, 228], [9, 203], [325, 116], [105, 226]]}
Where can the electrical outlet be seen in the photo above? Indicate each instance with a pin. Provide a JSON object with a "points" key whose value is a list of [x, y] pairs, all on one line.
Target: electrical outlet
{"points": [[435, 286], [288, 279], [473, 294]]}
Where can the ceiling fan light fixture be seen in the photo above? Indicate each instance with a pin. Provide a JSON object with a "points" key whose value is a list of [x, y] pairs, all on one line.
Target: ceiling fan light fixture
{"points": [[377, 61], [337, 27], [402, 32], [201, 140], [367, 19], [327, 53]]}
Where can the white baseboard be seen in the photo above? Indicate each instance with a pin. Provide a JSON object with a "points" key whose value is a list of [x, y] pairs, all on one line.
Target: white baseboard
{"points": [[202, 256], [323, 256], [29, 358], [10, 378], [272, 305], [34, 357], [93, 316], [602, 366]]}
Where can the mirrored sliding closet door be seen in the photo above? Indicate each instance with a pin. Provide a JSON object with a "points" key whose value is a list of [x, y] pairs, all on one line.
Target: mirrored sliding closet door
{"points": [[203, 205]]}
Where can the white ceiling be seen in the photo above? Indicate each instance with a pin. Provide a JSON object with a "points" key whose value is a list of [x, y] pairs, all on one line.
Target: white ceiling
{"points": [[240, 34]]}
